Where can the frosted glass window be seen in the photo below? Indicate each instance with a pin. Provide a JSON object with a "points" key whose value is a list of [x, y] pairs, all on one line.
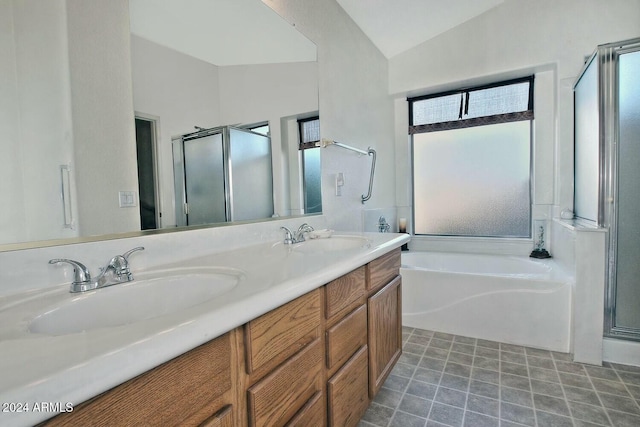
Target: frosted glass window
{"points": [[309, 131], [310, 164], [436, 110], [500, 99], [312, 170], [473, 181], [587, 145]]}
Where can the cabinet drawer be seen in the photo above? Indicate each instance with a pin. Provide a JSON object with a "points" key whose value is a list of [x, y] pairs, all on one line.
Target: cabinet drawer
{"points": [[277, 398], [346, 337], [277, 335], [347, 391], [345, 293], [380, 271], [312, 414], [223, 418], [180, 391]]}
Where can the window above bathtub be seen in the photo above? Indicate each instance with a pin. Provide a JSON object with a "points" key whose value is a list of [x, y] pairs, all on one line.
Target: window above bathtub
{"points": [[471, 154]]}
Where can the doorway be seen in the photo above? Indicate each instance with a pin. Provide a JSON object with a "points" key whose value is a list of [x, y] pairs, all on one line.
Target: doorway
{"points": [[150, 214]]}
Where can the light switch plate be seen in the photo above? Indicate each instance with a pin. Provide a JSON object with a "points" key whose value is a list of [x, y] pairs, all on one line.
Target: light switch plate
{"points": [[128, 199]]}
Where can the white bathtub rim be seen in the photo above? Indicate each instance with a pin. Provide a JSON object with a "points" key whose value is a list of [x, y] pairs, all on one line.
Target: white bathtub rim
{"points": [[555, 272]]}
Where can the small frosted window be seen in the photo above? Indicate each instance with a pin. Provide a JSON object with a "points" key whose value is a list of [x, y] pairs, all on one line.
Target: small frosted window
{"points": [[436, 110], [473, 181], [498, 100], [310, 131], [468, 104]]}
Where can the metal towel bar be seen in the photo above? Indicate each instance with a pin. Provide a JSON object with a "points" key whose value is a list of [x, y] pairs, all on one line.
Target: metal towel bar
{"points": [[370, 151]]}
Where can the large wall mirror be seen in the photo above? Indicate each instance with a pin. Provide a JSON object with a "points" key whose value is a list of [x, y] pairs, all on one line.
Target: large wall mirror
{"points": [[79, 72]]}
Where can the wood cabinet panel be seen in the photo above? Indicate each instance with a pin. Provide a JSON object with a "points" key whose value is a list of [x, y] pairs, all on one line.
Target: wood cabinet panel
{"points": [[181, 391], [223, 418], [346, 337], [277, 335], [345, 293], [385, 333], [312, 414], [347, 391], [275, 399], [383, 269]]}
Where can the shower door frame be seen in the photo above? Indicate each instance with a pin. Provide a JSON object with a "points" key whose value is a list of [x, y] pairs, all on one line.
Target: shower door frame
{"points": [[607, 56]]}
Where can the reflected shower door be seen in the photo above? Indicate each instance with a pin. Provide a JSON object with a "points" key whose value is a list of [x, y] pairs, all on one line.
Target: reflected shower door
{"points": [[204, 180], [250, 175]]}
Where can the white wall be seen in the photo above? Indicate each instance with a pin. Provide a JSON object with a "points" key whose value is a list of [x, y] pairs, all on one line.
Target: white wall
{"points": [[35, 119], [355, 108], [102, 113], [547, 38]]}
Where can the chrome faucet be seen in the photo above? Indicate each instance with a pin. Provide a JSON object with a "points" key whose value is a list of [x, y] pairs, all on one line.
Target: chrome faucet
{"points": [[117, 271], [297, 237]]}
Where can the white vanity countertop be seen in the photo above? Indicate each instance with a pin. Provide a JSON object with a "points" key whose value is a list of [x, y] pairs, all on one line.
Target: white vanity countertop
{"points": [[72, 368]]}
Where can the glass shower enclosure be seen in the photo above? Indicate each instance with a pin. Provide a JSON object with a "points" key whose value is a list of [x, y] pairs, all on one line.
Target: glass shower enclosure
{"points": [[222, 174], [607, 176]]}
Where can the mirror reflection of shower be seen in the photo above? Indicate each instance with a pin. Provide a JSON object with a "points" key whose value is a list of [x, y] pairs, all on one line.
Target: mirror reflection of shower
{"points": [[222, 174]]}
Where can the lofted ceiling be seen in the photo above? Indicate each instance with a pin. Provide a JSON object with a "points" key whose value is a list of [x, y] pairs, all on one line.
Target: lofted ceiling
{"points": [[231, 32], [221, 32], [398, 25]]}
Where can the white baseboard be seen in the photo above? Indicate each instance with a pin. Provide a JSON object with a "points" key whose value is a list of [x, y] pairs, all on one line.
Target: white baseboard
{"points": [[621, 351]]}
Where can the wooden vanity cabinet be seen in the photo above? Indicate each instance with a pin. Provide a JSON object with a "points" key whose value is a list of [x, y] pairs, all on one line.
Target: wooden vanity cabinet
{"points": [[315, 361], [346, 352], [384, 318], [284, 371], [196, 388]]}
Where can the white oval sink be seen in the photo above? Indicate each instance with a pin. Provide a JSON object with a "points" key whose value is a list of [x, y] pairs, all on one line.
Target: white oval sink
{"points": [[150, 295], [332, 244]]}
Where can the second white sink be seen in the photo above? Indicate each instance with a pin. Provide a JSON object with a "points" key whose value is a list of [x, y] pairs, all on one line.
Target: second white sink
{"points": [[150, 295]]}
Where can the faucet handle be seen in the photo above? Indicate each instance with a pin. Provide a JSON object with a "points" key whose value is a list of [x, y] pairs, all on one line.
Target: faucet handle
{"points": [[80, 272], [129, 252], [288, 236], [305, 228], [120, 263]]}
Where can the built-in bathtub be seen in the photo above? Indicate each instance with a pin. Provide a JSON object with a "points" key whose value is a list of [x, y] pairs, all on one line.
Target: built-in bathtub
{"points": [[510, 299]]}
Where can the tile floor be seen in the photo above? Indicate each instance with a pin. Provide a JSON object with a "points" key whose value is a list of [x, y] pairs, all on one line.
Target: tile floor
{"points": [[447, 380]]}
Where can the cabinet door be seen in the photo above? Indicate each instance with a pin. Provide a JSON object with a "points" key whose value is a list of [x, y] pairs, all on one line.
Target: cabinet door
{"points": [[385, 333], [347, 391], [277, 398], [345, 338], [274, 337]]}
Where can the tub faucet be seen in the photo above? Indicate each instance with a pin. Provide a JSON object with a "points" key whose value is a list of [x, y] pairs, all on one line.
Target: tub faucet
{"points": [[291, 237], [117, 271]]}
